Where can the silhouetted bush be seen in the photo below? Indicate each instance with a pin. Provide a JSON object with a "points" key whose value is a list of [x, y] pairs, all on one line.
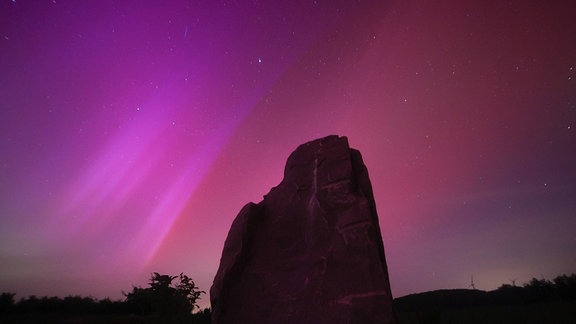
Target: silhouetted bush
{"points": [[202, 317], [164, 299], [566, 286], [6, 302], [168, 299], [539, 290]]}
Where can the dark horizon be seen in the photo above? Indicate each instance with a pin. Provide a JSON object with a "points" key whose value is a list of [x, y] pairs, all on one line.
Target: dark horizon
{"points": [[559, 288]]}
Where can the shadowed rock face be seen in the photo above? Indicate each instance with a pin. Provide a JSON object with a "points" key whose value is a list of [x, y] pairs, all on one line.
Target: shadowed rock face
{"points": [[311, 251]]}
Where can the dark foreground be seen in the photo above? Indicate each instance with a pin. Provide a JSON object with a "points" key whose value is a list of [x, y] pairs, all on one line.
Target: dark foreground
{"points": [[62, 318], [554, 312], [551, 312], [539, 301]]}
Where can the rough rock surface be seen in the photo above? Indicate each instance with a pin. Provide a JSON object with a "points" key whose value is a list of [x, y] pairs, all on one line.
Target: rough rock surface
{"points": [[311, 251]]}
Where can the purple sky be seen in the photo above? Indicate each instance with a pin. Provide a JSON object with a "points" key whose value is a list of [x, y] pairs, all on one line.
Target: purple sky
{"points": [[132, 133]]}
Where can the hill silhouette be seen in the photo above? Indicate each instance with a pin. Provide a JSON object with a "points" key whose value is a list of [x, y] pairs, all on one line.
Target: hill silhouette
{"points": [[441, 299], [538, 301]]}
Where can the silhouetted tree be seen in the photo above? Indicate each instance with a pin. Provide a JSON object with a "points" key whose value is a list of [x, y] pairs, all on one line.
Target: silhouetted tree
{"points": [[566, 286], [539, 290], [6, 302], [30, 304], [202, 317], [164, 299]]}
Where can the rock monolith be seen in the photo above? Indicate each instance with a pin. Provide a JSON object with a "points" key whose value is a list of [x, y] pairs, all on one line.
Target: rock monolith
{"points": [[311, 251]]}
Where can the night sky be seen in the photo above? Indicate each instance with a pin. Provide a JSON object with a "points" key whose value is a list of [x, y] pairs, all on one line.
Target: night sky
{"points": [[133, 132]]}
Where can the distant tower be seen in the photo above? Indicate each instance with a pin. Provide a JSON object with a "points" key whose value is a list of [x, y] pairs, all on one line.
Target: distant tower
{"points": [[472, 283]]}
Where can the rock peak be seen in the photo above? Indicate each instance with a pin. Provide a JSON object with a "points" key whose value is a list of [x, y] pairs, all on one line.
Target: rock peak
{"points": [[311, 251]]}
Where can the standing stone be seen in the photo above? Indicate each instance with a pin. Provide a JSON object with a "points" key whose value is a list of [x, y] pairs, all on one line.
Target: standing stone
{"points": [[311, 251]]}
